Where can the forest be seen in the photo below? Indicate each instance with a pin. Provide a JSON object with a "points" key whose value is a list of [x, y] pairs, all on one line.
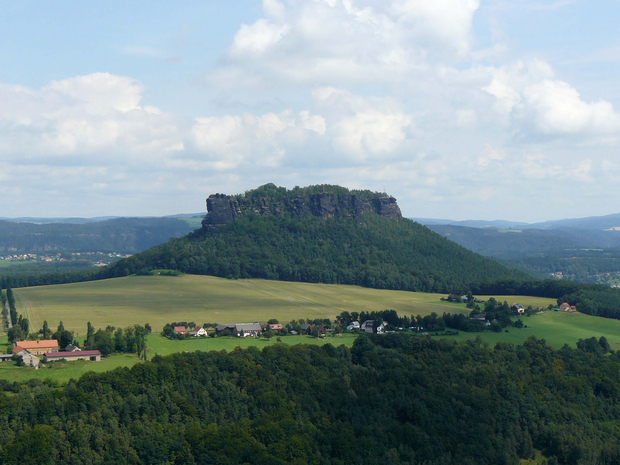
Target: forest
{"points": [[127, 235], [380, 253], [393, 399]]}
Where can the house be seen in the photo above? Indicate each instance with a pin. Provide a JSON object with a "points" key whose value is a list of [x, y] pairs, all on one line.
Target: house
{"points": [[30, 360], [516, 308], [353, 325], [275, 327], [381, 328], [224, 327], [247, 329], [367, 326], [36, 347], [306, 328], [72, 348], [91, 355], [292, 332], [565, 307], [198, 332], [5, 357], [180, 330]]}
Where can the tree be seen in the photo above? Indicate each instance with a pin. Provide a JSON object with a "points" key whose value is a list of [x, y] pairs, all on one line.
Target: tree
{"points": [[148, 328], [66, 338], [61, 327], [25, 325], [103, 342], [46, 332], [268, 334], [273, 321], [119, 341]]}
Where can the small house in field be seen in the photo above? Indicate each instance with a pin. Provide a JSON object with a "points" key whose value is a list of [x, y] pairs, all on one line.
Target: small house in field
{"points": [[36, 347], [517, 308], [565, 307], [5, 357], [72, 348], [247, 330], [353, 325], [91, 355], [198, 331], [306, 328], [275, 327], [180, 330]]}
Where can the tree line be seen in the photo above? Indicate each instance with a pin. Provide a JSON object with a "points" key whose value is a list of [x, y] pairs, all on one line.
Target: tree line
{"points": [[392, 399]]}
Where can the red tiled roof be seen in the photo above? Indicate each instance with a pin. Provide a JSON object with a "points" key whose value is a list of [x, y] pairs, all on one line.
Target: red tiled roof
{"points": [[81, 353], [180, 329], [50, 343]]}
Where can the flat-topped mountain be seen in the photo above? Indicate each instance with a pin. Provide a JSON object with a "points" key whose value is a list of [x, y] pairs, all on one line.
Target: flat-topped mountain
{"points": [[320, 234], [321, 201]]}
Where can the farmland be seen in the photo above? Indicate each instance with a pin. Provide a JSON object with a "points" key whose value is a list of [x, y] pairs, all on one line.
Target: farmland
{"points": [[161, 299]]}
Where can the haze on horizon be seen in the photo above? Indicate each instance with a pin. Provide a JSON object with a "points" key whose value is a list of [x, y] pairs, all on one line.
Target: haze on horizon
{"points": [[461, 109]]}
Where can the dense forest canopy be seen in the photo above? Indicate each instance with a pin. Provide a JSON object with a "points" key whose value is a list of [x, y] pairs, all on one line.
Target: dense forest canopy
{"points": [[379, 252], [389, 400]]}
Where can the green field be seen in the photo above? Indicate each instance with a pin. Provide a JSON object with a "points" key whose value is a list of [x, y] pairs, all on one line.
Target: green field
{"points": [[157, 345], [203, 299], [557, 328]]}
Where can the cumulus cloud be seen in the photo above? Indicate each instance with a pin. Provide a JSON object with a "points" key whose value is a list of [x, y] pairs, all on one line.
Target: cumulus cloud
{"points": [[81, 115], [343, 41]]}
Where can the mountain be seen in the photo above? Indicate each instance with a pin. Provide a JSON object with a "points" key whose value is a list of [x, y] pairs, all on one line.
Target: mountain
{"points": [[470, 223], [123, 235], [318, 234], [600, 223]]}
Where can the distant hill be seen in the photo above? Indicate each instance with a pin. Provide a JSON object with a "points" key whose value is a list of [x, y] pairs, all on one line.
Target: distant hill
{"points": [[470, 223], [600, 223], [594, 222], [318, 234], [123, 235]]}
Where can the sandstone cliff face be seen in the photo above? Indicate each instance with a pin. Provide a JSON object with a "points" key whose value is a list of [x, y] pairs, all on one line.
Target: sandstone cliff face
{"points": [[223, 209]]}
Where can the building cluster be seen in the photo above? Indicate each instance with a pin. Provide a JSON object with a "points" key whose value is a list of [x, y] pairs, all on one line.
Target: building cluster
{"points": [[368, 326], [31, 351]]}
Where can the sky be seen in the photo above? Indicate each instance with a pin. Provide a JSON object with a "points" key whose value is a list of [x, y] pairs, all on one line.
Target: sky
{"points": [[461, 109]]}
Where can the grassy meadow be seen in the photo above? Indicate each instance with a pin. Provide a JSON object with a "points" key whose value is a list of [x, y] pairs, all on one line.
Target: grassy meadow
{"points": [[158, 300], [557, 328]]}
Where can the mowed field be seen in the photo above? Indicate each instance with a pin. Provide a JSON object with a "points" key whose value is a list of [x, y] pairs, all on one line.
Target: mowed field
{"points": [[557, 328], [158, 300]]}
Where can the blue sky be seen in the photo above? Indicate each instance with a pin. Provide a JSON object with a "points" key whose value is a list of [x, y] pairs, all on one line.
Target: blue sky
{"points": [[460, 108]]}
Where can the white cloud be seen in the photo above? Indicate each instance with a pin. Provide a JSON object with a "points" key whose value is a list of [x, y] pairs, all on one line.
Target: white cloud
{"points": [[344, 41]]}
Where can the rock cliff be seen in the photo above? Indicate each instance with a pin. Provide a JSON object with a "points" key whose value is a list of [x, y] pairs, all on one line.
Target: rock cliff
{"points": [[223, 209]]}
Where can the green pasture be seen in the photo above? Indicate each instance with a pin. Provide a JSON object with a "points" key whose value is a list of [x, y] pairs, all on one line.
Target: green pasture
{"points": [[203, 299], [162, 346], [557, 328], [157, 345]]}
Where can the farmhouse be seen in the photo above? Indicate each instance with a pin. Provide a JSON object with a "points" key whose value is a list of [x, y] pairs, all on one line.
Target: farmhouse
{"points": [[36, 347], [180, 330], [565, 307], [306, 328], [224, 327], [247, 329], [72, 348], [353, 325], [516, 308], [5, 357], [275, 327], [367, 326], [198, 331], [92, 355]]}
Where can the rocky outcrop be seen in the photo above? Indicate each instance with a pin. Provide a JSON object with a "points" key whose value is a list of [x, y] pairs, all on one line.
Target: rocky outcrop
{"points": [[223, 209]]}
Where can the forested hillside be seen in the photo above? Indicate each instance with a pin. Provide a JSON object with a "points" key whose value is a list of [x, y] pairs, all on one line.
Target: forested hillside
{"points": [[123, 235], [394, 399], [379, 252]]}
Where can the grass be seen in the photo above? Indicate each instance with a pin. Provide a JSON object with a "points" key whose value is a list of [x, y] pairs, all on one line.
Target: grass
{"points": [[163, 346], [64, 371], [557, 328], [162, 299]]}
